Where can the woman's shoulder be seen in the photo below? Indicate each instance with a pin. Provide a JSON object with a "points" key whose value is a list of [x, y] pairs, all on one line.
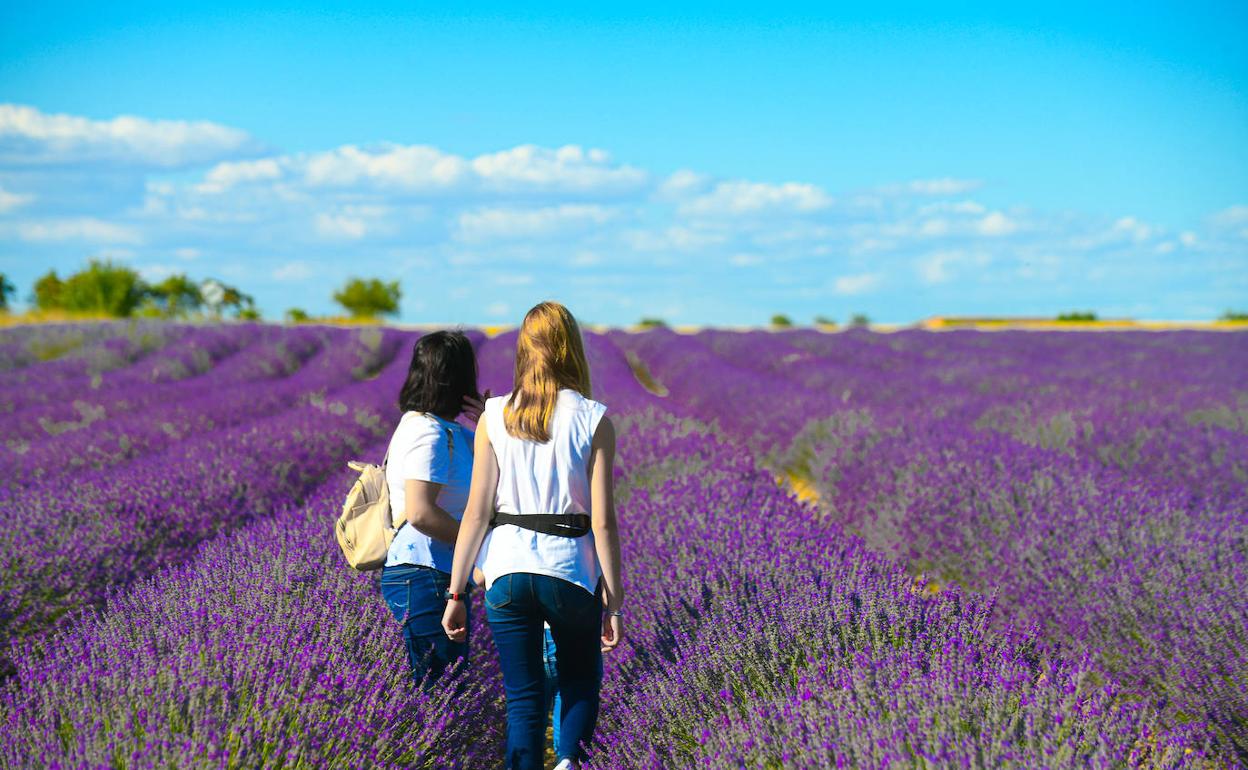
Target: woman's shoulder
{"points": [[415, 426], [578, 400]]}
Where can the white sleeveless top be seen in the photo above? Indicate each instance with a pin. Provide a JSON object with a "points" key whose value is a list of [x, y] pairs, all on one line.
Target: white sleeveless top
{"points": [[543, 478]]}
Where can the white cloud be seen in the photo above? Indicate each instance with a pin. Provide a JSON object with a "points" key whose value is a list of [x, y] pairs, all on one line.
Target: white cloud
{"points": [[297, 270], [496, 309], [568, 168], [502, 223], [225, 175], [353, 222], [29, 137], [941, 186], [585, 259], [406, 167], [681, 184], [936, 267], [1132, 228], [674, 238], [856, 284], [996, 224], [1233, 219], [741, 197], [10, 201], [87, 229], [952, 207], [186, 253], [341, 226], [746, 260]]}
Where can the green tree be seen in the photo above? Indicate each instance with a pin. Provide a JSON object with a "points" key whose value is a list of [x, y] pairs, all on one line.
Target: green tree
{"points": [[176, 296], [781, 321], [368, 298], [48, 291], [1077, 315], [859, 320], [297, 315], [1234, 315], [823, 320], [7, 289], [102, 287], [652, 323], [219, 297]]}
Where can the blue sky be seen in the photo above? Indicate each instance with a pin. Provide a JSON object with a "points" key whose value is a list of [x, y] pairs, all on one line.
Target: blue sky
{"points": [[705, 164]]}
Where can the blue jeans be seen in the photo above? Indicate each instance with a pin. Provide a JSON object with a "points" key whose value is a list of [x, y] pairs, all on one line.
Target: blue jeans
{"points": [[554, 703], [516, 605], [414, 595]]}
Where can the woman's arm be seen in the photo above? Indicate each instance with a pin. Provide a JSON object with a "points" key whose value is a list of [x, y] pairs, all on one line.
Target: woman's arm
{"points": [[472, 531], [422, 511], [606, 530]]}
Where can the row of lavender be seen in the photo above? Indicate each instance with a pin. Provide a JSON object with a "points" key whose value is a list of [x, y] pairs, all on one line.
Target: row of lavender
{"points": [[791, 646], [264, 650], [214, 428], [1095, 483]]}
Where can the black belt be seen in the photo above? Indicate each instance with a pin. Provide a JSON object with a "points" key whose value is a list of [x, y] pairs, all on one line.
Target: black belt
{"points": [[561, 524]]}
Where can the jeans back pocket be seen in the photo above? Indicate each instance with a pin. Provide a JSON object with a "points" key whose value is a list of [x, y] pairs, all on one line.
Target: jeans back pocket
{"points": [[499, 595]]}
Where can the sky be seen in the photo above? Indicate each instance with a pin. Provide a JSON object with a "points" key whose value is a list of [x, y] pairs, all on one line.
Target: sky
{"points": [[699, 163]]}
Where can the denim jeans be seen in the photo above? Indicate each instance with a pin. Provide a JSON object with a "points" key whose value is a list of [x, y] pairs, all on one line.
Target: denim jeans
{"points": [[516, 605], [414, 595], [553, 702]]}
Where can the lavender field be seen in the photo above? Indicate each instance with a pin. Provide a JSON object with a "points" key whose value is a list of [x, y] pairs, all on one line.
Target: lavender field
{"points": [[906, 550]]}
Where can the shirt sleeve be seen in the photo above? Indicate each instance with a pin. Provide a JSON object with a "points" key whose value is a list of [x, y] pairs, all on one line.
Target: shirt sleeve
{"points": [[595, 417], [426, 456]]}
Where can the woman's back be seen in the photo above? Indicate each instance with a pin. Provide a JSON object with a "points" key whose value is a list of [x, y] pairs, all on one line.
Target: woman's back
{"points": [[550, 477]]}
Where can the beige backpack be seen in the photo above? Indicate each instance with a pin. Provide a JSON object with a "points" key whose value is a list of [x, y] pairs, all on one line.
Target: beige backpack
{"points": [[367, 526]]}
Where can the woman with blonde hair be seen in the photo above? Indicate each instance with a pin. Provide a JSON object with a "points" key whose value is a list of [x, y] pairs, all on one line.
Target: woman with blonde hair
{"points": [[540, 523]]}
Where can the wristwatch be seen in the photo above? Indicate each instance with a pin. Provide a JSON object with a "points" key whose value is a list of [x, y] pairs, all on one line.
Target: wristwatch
{"points": [[452, 597]]}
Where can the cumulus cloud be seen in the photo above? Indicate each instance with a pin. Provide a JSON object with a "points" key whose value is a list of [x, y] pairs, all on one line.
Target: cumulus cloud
{"points": [[342, 225], [995, 224], [682, 183], [225, 175], [297, 270], [10, 200], [85, 229], [741, 197], [938, 266], [856, 284], [29, 137], [941, 186], [502, 223], [1232, 219], [569, 169], [520, 211]]}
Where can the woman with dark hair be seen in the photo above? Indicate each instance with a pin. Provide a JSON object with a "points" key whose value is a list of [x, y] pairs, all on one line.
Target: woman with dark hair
{"points": [[541, 525], [428, 472]]}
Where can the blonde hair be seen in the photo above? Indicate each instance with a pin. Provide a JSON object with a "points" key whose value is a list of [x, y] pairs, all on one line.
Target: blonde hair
{"points": [[549, 355]]}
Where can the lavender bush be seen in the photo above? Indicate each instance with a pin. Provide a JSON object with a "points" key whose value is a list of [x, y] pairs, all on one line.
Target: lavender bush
{"points": [[1027, 550]]}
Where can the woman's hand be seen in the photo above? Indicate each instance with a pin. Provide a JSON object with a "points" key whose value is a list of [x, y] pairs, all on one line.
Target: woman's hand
{"points": [[612, 631], [455, 620], [473, 407]]}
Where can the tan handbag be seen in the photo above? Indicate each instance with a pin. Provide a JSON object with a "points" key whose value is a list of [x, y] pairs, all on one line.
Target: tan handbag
{"points": [[367, 526]]}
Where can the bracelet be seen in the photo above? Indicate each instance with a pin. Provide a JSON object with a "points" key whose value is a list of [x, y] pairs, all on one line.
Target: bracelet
{"points": [[616, 613], [454, 597]]}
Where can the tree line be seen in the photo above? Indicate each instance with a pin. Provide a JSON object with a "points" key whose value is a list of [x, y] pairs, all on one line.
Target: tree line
{"points": [[104, 288]]}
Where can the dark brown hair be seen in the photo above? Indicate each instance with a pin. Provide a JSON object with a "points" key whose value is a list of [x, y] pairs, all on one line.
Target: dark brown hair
{"points": [[442, 372]]}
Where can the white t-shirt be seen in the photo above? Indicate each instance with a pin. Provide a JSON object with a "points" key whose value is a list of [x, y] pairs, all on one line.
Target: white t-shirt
{"points": [[543, 478], [421, 449]]}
